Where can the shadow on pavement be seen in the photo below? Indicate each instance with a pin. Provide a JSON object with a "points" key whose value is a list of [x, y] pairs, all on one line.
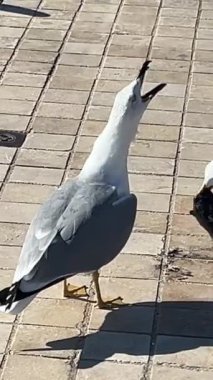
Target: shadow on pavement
{"points": [[22, 10], [182, 326]]}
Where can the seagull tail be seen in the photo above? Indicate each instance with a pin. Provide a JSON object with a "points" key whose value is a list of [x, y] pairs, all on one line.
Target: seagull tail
{"points": [[13, 301]]}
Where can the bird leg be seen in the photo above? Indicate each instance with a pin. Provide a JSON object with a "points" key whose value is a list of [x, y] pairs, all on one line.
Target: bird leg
{"points": [[111, 304], [73, 291]]}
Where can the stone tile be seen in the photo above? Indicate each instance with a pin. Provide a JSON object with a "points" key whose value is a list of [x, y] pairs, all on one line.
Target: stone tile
{"points": [[19, 93], [12, 234], [5, 331], [40, 312], [17, 212], [30, 67], [204, 106], [151, 183], [92, 37], [6, 31], [199, 120], [179, 12], [189, 186], [6, 155], [195, 352], [89, 370], [8, 42], [185, 295], [162, 117], [66, 96], [49, 142], [55, 125], [204, 92], [171, 53], [53, 368], [9, 257], [195, 135], [95, 17], [204, 34], [158, 132], [144, 244], [187, 22], [171, 89], [150, 202], [202, 79], [151, 222], [192, 168], [3, 171], [154, 149], [171, 373], [183, 204], [97, 27], [21, 79], [61, 110], [80, 60], [191, 4], [131, 319], [35, 56], [45, 34], [118, 346], [192, 151], [19, 107], [130, 46], [16, 22], [173, 31], [105, 8], [40, 176], [120, 266], [195, 271], [26, 193], [42, 158], [203, 55], [45, 23], [193, 245], [171, 42], [149, 165], [185, 224], [83, 48], [39, 341], [71, 83], [167, 76]]}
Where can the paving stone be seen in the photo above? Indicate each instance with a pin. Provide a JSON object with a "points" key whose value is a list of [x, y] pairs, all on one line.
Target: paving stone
{"points": [[45, 34], [5, 331], [97, 27], [19, 93], [22, 79], [6, 31], [191, 296], [92, 37], [95, 17], [151, 222], [195, 135], [36, 368], [30, 67], [130, 46], [187, 224], [171, 53], [45, 341], [6, 155], [150, 165], [158, 132], [66, 96], [40, 312], [26, 193], [120, 265], [16, 107], [40, 176], [187, 22], [61, 110], [13, 234], [191, 4], [193, 245], [55, 125], [89, 370], [80, 60], [144, 244], [198, 152], [201, 91], [183, 204], [189, 186], [35, 56], [9, 257], [49, 142], [179, 373], [172, 31], [192, 168], [118, 346], [162, 117], [17, 212], [156, 184], [3, 171], [71, 83], [199, 120], [42, 158]]}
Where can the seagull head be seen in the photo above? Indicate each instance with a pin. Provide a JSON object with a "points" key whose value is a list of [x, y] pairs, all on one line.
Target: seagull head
{"points": [[130, 103]]}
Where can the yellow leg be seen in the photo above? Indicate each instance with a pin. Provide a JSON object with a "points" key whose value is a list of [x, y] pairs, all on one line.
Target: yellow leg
{"points": [[73, 291], [111, 304]]}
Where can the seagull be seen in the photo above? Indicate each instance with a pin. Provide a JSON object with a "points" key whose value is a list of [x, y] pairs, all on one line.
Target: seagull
{"points": [[203, 202], [87, 221]]}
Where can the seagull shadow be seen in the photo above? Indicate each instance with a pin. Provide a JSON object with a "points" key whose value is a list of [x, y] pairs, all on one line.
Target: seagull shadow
{"points": [[22, 10], [182, 326]]}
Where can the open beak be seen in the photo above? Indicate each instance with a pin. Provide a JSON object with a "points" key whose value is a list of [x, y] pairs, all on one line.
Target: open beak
{"points": [[150, 94]]}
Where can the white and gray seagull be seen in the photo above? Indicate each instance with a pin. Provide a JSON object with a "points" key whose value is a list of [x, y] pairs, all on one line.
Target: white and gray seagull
{"points": [[87, 221]]}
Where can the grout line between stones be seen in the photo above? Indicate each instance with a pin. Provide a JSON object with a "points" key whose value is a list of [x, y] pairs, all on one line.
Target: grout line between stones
{"points": [[147, 374]]}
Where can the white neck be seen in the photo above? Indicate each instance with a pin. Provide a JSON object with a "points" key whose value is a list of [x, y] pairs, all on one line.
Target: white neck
{"points": [[108, 159]]}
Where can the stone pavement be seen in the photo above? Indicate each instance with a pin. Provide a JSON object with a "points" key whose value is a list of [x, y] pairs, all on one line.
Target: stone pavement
{"points": [[61, 66]]}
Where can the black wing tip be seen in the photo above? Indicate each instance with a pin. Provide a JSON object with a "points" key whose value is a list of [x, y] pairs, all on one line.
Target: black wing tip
{"points": [[8, 295], [144, 68]]}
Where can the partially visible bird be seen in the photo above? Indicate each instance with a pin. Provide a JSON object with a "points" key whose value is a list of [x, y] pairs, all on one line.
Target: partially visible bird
{"points": [[88, 220], [203, 202]]}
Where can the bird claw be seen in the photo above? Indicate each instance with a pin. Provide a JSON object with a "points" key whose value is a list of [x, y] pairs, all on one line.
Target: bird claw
{"points": [[111, 304], [72, 291]]}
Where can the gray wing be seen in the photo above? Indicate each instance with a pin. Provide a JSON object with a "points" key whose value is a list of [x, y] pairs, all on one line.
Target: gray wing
{"points": [[96, 243], [62, 213]]}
